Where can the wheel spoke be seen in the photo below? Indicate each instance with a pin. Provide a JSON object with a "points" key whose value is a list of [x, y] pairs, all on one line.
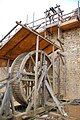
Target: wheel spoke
{"points": [[41, 58], [49, 67], [32, 60]]}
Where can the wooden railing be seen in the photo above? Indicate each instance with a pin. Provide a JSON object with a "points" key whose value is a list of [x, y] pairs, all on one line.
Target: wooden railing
{"points": [[41, 24]]}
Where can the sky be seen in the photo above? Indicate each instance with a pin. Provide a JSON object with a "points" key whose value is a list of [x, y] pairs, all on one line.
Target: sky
{"points": [[17, 10]]}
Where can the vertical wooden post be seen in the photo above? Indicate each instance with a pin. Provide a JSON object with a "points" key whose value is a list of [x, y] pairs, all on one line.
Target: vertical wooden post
{"points": [[10, 89], [45, 25], [43, 82], [78, 10], [59, 78], [36, 75], [58, 84], [53, 66], [11, 101], [12, 105], [58, 64], [5, 98], [58, 25], [45, 77]]}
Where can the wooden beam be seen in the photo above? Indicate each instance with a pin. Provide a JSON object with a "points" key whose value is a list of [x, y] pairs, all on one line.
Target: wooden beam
{"points": [[53, 66], [55, 99], [36, 75]]}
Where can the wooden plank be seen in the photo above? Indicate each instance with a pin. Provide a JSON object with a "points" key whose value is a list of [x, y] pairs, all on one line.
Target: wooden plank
{"points": [[23, 46], [35, 33], [48, 49], [71, 24], [54, 114], [22, 41], [42, 45], [30, 114], [20, 35], [53, 68]]}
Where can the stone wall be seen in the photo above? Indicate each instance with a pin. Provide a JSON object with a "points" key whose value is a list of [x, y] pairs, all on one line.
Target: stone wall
{"points": [[72, 55], [70, 72]]}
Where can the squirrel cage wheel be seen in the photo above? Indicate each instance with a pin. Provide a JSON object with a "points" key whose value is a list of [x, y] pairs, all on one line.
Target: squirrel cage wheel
{"points": [[24, 65]]}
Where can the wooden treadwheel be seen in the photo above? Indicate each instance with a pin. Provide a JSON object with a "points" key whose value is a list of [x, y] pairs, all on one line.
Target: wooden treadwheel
{"points": [[24, 68]]}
